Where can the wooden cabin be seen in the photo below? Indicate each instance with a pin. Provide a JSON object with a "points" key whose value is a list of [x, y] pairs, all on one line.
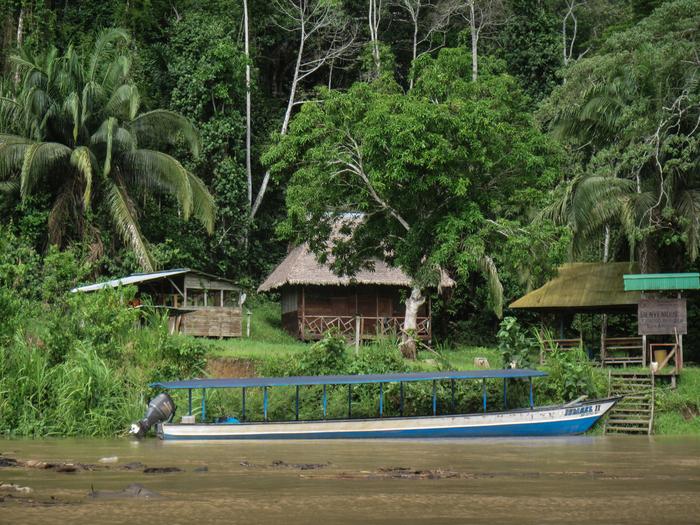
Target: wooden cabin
{"points": [[367, 305], [198, 303]]}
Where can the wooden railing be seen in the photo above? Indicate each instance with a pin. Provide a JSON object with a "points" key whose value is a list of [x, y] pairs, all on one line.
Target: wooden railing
{"points": [[623, 351], [366, 327]]}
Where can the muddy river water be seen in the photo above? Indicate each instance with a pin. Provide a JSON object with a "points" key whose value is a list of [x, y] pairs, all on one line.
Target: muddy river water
{"points": [[599, 479]]}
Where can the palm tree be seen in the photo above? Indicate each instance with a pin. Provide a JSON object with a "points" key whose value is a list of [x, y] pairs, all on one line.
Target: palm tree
{"points": [[74, 128]]}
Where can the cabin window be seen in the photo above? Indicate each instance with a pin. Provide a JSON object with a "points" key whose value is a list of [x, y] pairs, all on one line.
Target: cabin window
{"points": [[195, 297], [214, 298], [231, 298]]}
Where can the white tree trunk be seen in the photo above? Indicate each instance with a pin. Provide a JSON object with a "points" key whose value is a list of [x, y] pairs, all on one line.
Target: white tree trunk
{"points": [[20, 39], [374, 18], [287, 117], [410, 322], [415, 43], [249, 174], [475, 40]]}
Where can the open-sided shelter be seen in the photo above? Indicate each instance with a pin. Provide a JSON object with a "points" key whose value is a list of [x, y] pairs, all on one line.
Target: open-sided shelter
{"points": [[368, 304], [594, 288], [198, 303]]}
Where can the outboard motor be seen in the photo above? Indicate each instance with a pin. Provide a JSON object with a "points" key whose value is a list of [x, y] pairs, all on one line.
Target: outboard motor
{"points": [[160, 409]]}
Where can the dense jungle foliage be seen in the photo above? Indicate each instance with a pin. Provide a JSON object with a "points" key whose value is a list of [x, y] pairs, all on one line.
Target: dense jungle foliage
{"points": [[491, 139]]}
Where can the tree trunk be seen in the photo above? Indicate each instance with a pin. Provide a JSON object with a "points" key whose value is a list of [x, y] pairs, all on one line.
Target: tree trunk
{"points": [[410, 322], [20, 39], [249, 174], [415, 45], [475, 41], [287, 117], [374, 17]]}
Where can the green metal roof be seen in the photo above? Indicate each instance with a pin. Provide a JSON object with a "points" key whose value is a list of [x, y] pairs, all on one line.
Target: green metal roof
{"points": [[662, 281]]}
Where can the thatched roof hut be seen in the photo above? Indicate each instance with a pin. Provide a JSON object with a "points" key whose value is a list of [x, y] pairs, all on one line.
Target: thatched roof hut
{"points": [[314, 299], [300, 268]]}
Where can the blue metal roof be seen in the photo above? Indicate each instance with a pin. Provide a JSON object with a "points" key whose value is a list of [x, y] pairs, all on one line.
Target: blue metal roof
{"points": [[252, 382]]}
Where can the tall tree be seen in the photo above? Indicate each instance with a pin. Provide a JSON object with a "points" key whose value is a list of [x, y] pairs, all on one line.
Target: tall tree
{"points": [[427, 171], [633, 112], [79, 134]]}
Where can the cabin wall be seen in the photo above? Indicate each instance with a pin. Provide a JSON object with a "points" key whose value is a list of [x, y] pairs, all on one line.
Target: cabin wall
{"points": [[290, 299], [315, 309], [212, 322]]}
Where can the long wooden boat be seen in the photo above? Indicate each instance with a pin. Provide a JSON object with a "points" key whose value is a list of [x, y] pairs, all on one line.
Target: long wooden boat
{"points": [[572, 418]]}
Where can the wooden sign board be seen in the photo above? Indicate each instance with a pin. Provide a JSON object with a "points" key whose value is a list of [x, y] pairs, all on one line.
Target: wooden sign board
{"points": [[662, 316]]}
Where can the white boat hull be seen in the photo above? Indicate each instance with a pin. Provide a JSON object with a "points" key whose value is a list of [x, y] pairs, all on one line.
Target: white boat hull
{"points": [[539, 421]]}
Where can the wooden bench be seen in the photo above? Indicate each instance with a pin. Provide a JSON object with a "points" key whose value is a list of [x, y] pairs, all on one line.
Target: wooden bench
{"points": [[549, 345], [632, 347]]}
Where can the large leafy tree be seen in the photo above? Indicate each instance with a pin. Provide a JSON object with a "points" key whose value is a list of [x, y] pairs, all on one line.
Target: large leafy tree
{"points": [[74, 129], [632, 114], [431, 172]]}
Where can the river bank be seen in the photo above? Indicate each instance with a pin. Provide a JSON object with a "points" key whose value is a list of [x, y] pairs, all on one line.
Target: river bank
{"points": [[573, 480]]}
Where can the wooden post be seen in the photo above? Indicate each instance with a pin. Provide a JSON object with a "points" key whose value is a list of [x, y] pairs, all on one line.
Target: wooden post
{"points": [[644, 351], [358, 334], [248, 316], [303, 315]]}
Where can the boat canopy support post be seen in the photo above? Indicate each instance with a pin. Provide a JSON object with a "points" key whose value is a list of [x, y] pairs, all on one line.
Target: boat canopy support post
{"points": [[349, 401], [532, 399], [381, 399], [204, 404], [452, 386], [297, 404], [434, 398], [265, 402], [243, 405], [401, 398], [325, 402], [505, 394], [189, 401], [483, 392]]}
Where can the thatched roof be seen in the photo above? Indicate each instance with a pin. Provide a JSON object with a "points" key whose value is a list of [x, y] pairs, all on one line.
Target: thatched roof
{"points": [[584, 287], [300, 267]]}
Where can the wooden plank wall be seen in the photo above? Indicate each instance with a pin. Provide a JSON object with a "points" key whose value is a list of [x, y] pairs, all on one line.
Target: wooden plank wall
{"points": [[212, 322]]}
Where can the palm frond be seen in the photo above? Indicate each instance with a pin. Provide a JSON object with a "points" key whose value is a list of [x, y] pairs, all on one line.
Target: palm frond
{"points": [[168, 126], [125, 220], [12, 150], [156, 169], [203, 205], [81, 159], [488, 268], [71, 106], [58, 216], [124, 102], [39, 158], [103, 46]]}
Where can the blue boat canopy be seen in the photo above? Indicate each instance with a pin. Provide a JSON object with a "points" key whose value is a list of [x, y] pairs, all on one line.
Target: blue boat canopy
{"points": [[253, 382]]}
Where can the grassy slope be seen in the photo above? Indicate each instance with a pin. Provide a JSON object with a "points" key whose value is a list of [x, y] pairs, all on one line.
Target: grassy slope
{"points": [[268, 341]]}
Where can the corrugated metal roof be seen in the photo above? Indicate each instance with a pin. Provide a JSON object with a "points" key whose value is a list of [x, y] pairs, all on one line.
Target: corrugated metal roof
{"points": [[257, 382], [131, 279], [592, 287], [662, 281]]}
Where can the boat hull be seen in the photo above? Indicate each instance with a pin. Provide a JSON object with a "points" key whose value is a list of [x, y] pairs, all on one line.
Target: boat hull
{"points": [[540, 421]]}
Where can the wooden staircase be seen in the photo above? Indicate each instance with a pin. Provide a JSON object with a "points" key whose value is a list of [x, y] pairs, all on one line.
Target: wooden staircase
{"points": [[634, 414]]}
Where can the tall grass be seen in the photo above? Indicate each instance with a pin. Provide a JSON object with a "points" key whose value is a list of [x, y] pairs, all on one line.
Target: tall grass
{"points": [[82, 365]]}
